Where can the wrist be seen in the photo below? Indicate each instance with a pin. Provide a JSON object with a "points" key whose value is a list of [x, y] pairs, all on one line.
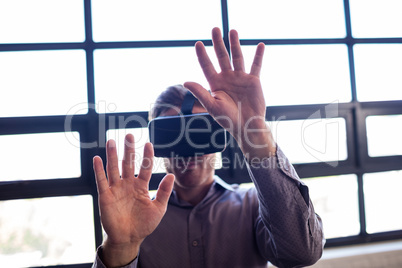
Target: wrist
{"points": [[117, 255], [257, 142]]}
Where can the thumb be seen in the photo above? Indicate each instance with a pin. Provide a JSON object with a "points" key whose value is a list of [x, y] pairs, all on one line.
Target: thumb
{"points": [[201, 94], [164, 190]]}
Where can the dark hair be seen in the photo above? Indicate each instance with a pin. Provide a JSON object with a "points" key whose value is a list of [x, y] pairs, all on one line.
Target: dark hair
{"points": [[171, 97]]}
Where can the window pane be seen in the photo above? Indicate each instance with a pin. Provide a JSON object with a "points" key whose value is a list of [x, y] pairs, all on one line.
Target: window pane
{"points": [[141, 137], [40, 156], [382, 197], [384, 135], [46, 231], [303, 74], [130, 79], [378, 72], [35, 83], [335, 200], [286, 19], [311, 140], [376, 18], [41, 21], [129, 20]]}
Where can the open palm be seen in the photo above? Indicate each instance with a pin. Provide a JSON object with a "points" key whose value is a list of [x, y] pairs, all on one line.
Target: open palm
{"points": [[235, 95], [236, 101], [127, 212]]}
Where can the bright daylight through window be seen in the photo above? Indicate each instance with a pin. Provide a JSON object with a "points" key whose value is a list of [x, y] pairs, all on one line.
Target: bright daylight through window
{"points": [[74, 73]]}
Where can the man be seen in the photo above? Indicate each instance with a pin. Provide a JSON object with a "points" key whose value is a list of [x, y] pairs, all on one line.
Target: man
{"points": [[207, 222]]}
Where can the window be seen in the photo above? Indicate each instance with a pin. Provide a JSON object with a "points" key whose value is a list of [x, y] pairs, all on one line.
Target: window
{"points": [[75, 73], [375, 18], [122, 74], [40, 156], [377, 71], [311, 140], [41, 21], [339, 212], [46, 231], [38, 83], [382, 199], [154, 20], [260, 19], [383, 135], [304, 74]]}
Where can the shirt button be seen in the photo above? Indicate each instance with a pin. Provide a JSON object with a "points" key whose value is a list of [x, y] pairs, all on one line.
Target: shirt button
{"points": [[195, 243]]}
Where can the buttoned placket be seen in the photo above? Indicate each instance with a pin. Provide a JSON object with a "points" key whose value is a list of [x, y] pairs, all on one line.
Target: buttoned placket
{"points": [[195, 242]]}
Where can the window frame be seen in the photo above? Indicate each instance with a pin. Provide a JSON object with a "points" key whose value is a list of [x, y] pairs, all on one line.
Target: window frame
{"points": [[358, 161]]}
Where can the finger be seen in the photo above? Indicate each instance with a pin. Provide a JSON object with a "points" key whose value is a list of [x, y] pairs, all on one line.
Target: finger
{"points": [[257, 62], [100, 176], [220, 50], [201, 94], [128, 163], [205, 63], [147, 163], [237, 55], [164, 190], [112, 167]]}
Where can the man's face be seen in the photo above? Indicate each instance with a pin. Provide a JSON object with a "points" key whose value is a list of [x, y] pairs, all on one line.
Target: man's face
{"points": [[191, 171]]}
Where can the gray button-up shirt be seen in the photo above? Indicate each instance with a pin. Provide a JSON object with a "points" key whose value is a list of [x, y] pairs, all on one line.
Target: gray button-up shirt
{"points": [[236, 227]]}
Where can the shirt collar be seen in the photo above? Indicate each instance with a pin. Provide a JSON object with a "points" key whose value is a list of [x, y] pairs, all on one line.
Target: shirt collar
{"points": [[217, 185], [221, 183]]}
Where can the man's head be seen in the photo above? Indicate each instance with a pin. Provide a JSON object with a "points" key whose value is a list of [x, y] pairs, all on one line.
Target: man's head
{"points": [[180, 126], [191, 169], [168, 102]]}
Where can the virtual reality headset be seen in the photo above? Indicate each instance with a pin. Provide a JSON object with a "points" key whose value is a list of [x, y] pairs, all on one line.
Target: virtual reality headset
{"points": [[186, 134]]}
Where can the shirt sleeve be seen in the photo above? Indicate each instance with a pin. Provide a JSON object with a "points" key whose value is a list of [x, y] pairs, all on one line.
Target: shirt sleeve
{"points": [[288, 231], [99, 264]]}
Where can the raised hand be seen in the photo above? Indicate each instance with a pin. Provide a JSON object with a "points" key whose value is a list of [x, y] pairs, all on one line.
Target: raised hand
{"points": [[127, 212], [236, 100]]}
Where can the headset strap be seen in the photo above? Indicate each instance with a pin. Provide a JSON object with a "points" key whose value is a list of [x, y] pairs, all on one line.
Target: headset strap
{"points": [[188, 103]]}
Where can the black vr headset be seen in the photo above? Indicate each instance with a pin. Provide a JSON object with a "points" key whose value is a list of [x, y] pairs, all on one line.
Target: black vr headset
{"points": [[186, 134]]}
